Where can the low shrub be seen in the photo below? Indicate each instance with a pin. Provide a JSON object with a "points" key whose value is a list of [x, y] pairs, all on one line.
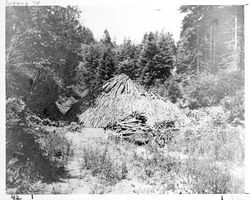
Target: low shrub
{"points": [[160, 171], [101, 164], [55, 146], [159, 164], [235, 106], [208, 90], [206, 177], [210, 136], [170, 89], [162, 133], [28, 159]]}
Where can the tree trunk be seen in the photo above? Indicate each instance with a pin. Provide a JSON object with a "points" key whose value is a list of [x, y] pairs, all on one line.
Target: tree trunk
{"points": [[214, 66], [198, 58], [211, 47], [235, 33], [236, 50]]}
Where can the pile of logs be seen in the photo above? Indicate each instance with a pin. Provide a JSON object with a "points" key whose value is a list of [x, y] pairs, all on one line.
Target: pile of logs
{"points": [[131, 128], [134, 129]]}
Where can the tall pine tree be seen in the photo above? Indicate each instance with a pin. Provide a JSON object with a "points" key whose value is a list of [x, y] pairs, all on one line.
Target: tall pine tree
{"points": [[126, 59], [156, 58], [106, 67]]}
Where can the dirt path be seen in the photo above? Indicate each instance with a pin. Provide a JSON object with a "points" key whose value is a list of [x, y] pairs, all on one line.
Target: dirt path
{"points": [[79, 139], [77, 181], [77, 185]]}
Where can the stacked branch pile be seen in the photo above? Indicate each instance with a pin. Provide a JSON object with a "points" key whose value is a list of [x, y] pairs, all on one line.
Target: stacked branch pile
{"points": [[133, 128]]}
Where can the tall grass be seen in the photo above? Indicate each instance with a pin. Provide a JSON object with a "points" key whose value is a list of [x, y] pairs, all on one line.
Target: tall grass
{"points": [[210, 136], [208, 177], [101, 164], [163, 173], [191, 175]]}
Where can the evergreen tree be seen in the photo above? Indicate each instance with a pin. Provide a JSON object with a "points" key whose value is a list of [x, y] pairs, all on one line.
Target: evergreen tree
{"points": [[209, 52], [106, 66], [98, 63], [106, 40], [165, 58], [146, 60], [156, 58], [126, 58], [211, 39]]}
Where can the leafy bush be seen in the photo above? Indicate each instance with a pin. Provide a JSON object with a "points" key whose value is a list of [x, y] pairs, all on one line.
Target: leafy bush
{"points": [[162, 133], [170, 89], [56, 147], [210, 136], [100, 163], [235, 106], [208, 90], [158, 163], [27, 159], [174, 91]]}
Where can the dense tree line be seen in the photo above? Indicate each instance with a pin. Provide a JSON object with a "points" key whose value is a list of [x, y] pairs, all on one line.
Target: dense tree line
{"points": [[50, 54], [150, 62], [210, 57], [212, 39]]}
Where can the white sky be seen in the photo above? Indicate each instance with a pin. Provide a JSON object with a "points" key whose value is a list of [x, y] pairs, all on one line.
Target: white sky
{"points": [[131, 20]]}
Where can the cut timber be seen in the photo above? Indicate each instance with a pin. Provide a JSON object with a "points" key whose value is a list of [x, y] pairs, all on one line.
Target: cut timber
{"points": [[117, 99]]}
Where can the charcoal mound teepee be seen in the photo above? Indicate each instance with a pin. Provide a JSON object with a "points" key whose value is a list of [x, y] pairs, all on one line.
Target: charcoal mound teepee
{"points": [[118, 98]]}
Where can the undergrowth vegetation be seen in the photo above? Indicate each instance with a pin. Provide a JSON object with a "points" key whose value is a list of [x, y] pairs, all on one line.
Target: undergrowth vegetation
{"points": [[207, 156], [207, 177], [160, 171], [225, 89], [210, 136], [32, 153], [101, 164]]}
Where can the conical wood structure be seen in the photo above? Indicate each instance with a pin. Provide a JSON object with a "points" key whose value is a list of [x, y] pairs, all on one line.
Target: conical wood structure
{"points": [[118, 98]]}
